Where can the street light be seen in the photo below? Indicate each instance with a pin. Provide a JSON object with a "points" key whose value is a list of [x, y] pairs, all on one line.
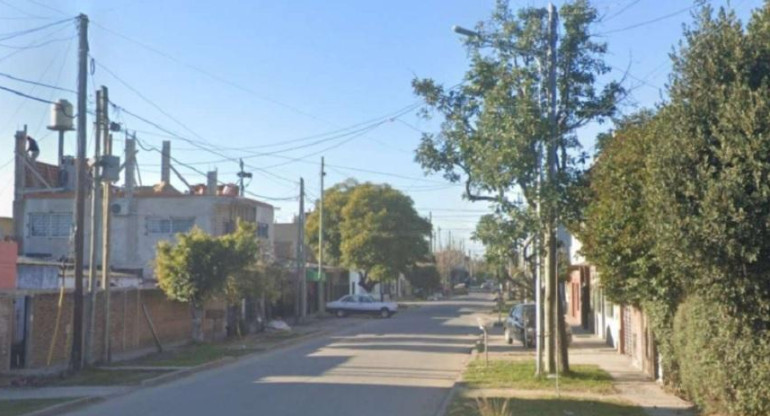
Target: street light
{"points": [[465, 32], [538, 301]]}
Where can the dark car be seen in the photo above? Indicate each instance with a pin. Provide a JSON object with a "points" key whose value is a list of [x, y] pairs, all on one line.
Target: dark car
{"points": [[520, 324]]}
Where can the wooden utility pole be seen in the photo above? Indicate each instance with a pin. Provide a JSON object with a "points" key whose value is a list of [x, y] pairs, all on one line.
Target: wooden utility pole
{"points": [[76, 357], [106, 223], [321, 281], [94, 230], [551, 283]]}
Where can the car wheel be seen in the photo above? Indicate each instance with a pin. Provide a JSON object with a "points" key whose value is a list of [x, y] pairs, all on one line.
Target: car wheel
{"points": [[384, 313], [340, 313], [508, 338]]}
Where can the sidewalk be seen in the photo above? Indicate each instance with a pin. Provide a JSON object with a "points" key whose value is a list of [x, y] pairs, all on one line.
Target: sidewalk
{"points": [[312, 327], [631, 384]]}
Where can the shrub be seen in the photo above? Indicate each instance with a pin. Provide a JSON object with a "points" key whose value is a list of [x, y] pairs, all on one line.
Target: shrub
{"points": [[723, 360]]}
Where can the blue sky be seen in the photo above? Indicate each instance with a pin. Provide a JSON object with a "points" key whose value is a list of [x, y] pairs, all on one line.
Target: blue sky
{"points": [[241, 74]]}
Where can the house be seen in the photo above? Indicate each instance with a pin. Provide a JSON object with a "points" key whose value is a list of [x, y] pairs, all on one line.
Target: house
{"points": [[6, 228], [624, 327], [141, 216]]}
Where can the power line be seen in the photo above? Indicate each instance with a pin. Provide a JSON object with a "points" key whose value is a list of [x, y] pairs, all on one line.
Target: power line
{"points": [[648, 22], [21, 94], [205, 72], [36, 83], [11, 35]]}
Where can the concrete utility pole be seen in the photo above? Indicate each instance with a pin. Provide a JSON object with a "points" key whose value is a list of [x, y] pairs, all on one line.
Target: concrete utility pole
{"points": [[76, 357], [106, 223], [241, 176], [321, 281], [18, 187], [165, 162], [300, 308], [432, 233], [94, 236], [551, 285]]}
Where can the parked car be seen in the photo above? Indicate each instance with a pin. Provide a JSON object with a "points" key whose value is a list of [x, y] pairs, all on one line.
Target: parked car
{"points": [[520, 325], [361, 304]]}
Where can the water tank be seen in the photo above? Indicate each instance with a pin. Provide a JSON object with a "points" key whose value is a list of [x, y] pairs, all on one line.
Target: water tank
{"points": [[62, 116]]}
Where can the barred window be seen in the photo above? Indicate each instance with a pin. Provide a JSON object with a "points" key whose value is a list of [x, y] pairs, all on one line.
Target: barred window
{"points": [[61, 225], [39, 224], [158, 226], [169, 225], [182, 225]]}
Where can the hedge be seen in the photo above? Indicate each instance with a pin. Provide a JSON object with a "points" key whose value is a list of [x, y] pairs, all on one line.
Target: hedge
{"points": [[723, 360]]}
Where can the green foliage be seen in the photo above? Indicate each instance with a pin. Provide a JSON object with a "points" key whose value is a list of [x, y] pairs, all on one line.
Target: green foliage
{"points": [[198, 265], [335, 199], [371, 228], [495, 123], [382, 235], [425, 278], [724, 361], [680, 208]]}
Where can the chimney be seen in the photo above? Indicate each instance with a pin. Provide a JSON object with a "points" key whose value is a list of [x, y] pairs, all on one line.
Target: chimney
{"points": [[211, 186], [165, 163]]}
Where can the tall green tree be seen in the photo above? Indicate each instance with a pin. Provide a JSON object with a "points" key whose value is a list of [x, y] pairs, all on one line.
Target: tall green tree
{"points": [[335, 199], [197, 266], [504, 241], [425, 278], [382, 234], [496, 124]]}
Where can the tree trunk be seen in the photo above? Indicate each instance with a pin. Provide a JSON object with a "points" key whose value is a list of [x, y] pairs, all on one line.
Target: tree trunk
{"points": [[365, 283], [197, 322]]}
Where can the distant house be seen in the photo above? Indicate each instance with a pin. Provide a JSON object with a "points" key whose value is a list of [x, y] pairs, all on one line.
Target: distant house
{"points": [[141, 216]]}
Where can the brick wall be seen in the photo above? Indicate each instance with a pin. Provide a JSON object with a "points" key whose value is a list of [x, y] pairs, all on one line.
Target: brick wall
{"points": [[129, 329], [8, 250]]}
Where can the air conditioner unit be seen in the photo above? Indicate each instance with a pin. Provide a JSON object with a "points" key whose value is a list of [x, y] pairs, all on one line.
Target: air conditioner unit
{"points": [[119, 208]]}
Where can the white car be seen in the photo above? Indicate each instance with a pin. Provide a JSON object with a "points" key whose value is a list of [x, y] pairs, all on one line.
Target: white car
{"points": [[363, 304]]}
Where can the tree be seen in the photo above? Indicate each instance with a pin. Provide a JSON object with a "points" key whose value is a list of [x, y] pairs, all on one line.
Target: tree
{"points": [[198, 266], [497, 123], [382, 234], [424, 278], [504, 244], [335, 199]]}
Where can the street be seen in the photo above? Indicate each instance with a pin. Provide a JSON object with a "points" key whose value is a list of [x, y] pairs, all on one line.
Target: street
{"points": [[405, 365]]}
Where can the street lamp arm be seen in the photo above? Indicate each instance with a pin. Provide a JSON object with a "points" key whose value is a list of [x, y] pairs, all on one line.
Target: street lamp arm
{"points": [[466, 32]]}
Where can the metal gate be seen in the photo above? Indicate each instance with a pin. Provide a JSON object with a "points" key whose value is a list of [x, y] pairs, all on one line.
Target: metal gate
{"points": [[628, 338], [19, 343]]}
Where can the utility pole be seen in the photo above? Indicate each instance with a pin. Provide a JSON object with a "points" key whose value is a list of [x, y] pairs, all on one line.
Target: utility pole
{"points": [[241, 176], [95, 223], [301, 247], [321, 282], [106, 223], [551, 289], [432, 233], [76, 357], [18, 187]]}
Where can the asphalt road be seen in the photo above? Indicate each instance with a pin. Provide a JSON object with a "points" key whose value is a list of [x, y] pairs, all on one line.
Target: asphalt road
{"points": [[405, 365]]}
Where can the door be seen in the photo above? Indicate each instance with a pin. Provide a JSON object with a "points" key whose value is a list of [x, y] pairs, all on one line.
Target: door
{"points": [[19, 342]]}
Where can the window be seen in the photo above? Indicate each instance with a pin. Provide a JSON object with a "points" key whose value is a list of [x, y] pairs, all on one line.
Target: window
{"points": [[348, 299], [263, 230], [38, 225], [157, 225], [182, 225], [61, 225], [43, 224]]}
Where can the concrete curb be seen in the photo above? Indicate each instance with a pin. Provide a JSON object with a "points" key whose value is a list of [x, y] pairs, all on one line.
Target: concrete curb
{"points": [[61, 408]]}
